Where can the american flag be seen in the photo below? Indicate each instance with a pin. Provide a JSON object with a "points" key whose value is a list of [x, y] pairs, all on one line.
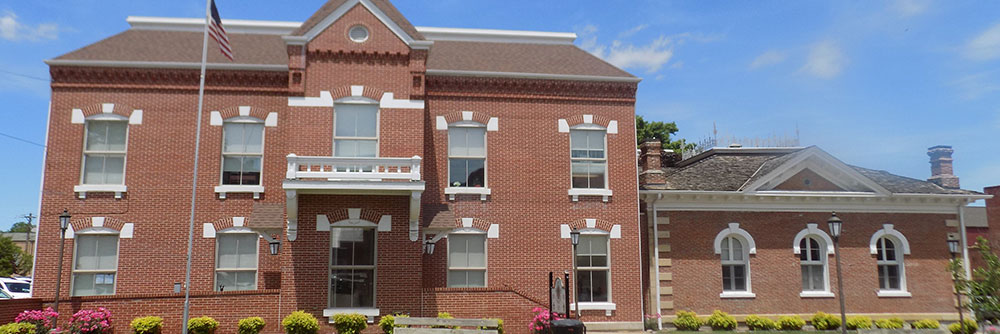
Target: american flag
{"points": [[219, 34]]}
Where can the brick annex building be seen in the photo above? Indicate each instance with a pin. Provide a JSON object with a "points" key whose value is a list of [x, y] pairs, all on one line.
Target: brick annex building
{"points": [[404, 169], [745, 230]]}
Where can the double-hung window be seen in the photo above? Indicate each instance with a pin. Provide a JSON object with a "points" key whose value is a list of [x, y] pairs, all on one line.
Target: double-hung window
{"points": [[95, 264], [236, 261], [242, 151], [593, 282], [104, 152], [811, 256], [467, 156], [890, 261], [589, 162], [735, 265], [352, 267], [466, 260], [355, 131]]}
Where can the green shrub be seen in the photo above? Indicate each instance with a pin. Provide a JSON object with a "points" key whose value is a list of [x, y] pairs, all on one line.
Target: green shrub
{"points": [[687, 321], [251, 325], [859, 322], [202, 325], [445, 315], [147, 325], [925, 324], [721, 321], [756, 323], [388, 322], [499, 325], [825, 322], [970, 327], [791, 323], [18, 328], [891, 323], [300, 322], [350, 323]]}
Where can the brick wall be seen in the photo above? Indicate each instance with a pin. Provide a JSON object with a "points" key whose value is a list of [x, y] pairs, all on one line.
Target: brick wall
{"points": [[775, 271], [9, 309]]}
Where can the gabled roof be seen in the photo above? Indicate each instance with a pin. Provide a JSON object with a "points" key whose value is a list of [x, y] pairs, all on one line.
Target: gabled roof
{"points": [[747, 169], [561, 59], [385, 6], [159, 46]]}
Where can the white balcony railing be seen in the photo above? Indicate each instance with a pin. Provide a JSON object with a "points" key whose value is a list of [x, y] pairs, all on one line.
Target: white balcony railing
{"points": [[368, 169]]}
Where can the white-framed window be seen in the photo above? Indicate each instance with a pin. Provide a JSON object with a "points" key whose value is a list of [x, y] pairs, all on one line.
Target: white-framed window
{"points": [[466, 260], [236, 257], [467, 155], [242, 152], [588, 155], [890, 265], [593, 283], [104, 151], [735, 265], [95, 264], [352, 267], [355, 132], [812, 258]]}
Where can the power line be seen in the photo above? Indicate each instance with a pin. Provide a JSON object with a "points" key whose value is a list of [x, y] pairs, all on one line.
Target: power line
{"points": [[24, 75], [21, 139]]}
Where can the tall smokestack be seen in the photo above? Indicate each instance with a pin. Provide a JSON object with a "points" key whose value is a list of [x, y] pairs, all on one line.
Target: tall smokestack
{"points": [[941, 167]]}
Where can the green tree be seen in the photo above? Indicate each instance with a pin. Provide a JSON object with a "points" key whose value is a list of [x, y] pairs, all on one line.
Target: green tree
{"points": [[984, 290], [12, 259], [662, 131], [22, 227]]}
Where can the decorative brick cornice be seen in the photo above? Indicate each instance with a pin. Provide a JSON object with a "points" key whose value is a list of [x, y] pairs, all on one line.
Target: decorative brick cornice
{"points": [[516, 88], [358, 57], [151, 78]]}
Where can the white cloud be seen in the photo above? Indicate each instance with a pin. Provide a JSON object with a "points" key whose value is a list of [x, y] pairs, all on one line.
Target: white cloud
{"points": [[633, 31], [768, 58], [650, 57], [986, 46], [825, 60], [908, 8], [13, 30]]}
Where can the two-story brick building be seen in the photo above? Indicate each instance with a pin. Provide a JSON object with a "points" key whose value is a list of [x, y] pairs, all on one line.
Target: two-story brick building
{"points": [[403, 169]]}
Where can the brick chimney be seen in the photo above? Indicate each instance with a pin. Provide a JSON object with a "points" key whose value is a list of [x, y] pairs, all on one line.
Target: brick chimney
{"points": [[650, 163], [941, 167]]}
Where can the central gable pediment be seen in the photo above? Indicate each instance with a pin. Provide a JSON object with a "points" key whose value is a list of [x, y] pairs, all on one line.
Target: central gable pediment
{"points": [[814, 170], [328, 28]]}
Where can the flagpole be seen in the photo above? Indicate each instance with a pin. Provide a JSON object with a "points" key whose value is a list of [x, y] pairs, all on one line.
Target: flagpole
{"points": [[194, 176]]}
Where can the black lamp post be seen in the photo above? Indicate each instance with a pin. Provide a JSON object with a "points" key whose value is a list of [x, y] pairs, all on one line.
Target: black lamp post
{"points": [[954, 250], [574, 236], [63, 225], [835, 225]]}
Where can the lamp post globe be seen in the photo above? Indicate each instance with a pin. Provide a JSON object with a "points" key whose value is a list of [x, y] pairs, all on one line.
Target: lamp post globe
{"points": [[64, 220], [953, 247], [835, 225]]}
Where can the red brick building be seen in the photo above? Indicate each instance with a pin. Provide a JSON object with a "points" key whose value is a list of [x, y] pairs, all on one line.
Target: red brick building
{"points": [[744, 230], [403, 169]]}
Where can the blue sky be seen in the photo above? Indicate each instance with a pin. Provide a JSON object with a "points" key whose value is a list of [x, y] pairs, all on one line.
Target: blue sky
{"points": [[872, 82]]}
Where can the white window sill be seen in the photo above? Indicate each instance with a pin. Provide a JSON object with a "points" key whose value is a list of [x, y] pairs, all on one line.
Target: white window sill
{"points": [[894, 294], [83, 189], [816, 294], [607, 307], [577, 192], [371, 313], [481, 191], [223, 189], [737, 294]]}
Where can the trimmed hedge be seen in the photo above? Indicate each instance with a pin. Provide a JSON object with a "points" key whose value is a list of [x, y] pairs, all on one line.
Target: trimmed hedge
{"points": [[970, 327], [300, 322], [18, 328], [758, 323], [202, 325], [859, 322], [926, 324], [825, 322], [687, 321], [147, 325], [891, 323], [350, 323], [791, 323], [251, 325], [721, 321]]}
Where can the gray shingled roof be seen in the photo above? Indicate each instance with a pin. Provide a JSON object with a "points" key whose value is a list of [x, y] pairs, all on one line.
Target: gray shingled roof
{"points": [[730, 170], [565, 59], [137, 45]]}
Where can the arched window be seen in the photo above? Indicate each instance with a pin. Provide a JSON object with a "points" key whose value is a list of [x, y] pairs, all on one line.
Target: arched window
{"points": [[734, 246], [890, 247], [813, 247]]}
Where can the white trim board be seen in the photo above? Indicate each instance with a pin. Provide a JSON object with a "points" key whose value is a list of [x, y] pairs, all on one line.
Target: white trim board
{"points": [[195, 24], [522, 75], [496, 36]]}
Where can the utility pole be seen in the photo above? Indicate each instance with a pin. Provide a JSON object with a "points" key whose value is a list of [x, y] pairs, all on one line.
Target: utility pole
{"points": [[27, 235]]}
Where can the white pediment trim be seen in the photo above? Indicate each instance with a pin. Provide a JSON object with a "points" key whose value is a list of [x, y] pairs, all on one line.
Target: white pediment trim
{"points": [[823, 164], [343, 9]]}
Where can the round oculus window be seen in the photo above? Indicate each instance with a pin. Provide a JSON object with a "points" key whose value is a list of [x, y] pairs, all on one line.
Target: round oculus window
{"points": [[358, 33]]}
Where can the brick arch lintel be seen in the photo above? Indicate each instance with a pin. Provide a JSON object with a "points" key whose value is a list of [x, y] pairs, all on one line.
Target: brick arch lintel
{"points": [[599, 224], [357, 91], [124, 229], [582, 119], [492, 230], [133, 115], [352, 216]]}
